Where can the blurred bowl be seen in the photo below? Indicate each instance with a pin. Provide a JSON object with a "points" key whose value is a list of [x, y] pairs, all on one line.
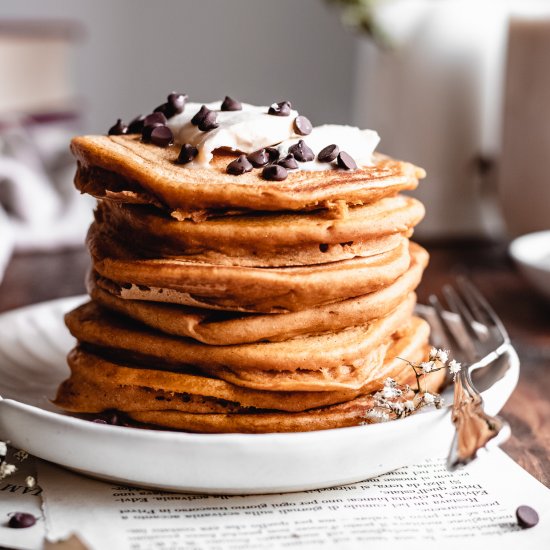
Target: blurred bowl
{"points": [[531, 253]]}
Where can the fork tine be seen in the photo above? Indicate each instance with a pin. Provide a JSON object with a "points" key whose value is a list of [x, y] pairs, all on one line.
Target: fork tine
{"points": [[455, 342], [457, 305], [479, 304]]}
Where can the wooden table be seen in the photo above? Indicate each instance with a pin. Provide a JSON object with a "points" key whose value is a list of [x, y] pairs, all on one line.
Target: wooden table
{"points": [[37, 277]]}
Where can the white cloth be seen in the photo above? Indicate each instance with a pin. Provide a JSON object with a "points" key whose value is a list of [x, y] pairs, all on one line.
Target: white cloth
{"points": [[39, 207]]}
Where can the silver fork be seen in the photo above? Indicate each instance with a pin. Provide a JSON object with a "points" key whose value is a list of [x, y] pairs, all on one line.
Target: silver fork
{"points": [[476, 337]]}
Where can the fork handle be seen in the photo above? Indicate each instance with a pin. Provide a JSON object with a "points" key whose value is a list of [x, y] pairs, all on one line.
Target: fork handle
{"points": [[474, 428]]}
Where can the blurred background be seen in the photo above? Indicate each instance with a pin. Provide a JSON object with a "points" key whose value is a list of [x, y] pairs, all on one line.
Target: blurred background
{"points": [[459, 87]]}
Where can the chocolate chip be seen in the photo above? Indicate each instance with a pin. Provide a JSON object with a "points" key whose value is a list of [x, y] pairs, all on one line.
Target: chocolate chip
{"points": [[280, 109], [177, 102], [345, 161], [148, 130], [258, 158], [154, 118], [328, 153], [527, 517], [21, 520], [118, 129], [239, 166], [200, 115], [272, 153], [288, 162], [174, 105], [302, 125], [162, 136], [230, 104], [209, 122], [301, 151], [136, 126], [274, 172], [187, 154]]}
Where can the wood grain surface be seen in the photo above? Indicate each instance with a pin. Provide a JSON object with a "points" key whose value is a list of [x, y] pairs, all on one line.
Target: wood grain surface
{"points": [[37, 277]]}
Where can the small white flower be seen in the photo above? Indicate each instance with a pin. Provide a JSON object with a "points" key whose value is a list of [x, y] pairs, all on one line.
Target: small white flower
{"points": [[7, 469], [433, 354], [390, 393], [428, 398], [409, 405], [398, 407], [390, 383], [377, 416], [30, 482], [427, 366], [443, 355], [3, 449], [454, 368]]}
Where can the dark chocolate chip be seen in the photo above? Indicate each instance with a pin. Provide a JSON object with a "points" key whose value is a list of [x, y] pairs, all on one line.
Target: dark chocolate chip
{"points": [[177, 102], [302, 125], [136, 126], [162, 136], [209, 122], [239, 166], [301, 152], [174, 105], [154, 118], [21, 520], [200, 115], [118, 129], [328, 153], [288, 162], [258, 158], [187, 154], [345, 161], [274, 172], [148, 130], [527, 517], [280, 109], [230, 104], [272, 153]]}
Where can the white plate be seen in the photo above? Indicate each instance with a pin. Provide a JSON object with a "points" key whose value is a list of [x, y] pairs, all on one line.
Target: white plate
{"points": [[33, 345], [531, 253]]}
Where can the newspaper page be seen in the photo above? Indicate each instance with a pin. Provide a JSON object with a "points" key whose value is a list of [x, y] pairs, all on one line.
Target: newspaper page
{"points": [[421, 506]]}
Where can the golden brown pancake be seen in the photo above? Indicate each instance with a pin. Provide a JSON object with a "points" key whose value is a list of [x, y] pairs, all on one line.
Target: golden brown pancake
{"points": [[263, 239], [123, 168], [223, 328], [97, 384], [343, 356], [237, 288]]}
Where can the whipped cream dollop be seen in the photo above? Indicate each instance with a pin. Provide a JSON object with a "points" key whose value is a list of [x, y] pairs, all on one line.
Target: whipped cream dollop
{"points": [[252, 129]]}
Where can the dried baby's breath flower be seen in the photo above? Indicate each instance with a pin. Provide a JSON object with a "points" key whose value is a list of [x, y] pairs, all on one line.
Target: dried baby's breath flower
{"points": [[7, 470], [428, 398], [433, 354], [30, 482], [376, 415], [409, 405], [454, 368], [442, 355], [427, 366], [390, 392], [3, 449]]}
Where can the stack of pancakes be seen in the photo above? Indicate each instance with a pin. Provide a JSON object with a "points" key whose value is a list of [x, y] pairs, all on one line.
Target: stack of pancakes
{"points": [[235, 304]]}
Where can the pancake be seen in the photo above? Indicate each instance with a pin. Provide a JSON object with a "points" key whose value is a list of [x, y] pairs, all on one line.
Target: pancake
{"points": [[348, 348], [125, 169], [264, 239], [97, 384], [346, 414], [222, 328], [236, 288]]}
